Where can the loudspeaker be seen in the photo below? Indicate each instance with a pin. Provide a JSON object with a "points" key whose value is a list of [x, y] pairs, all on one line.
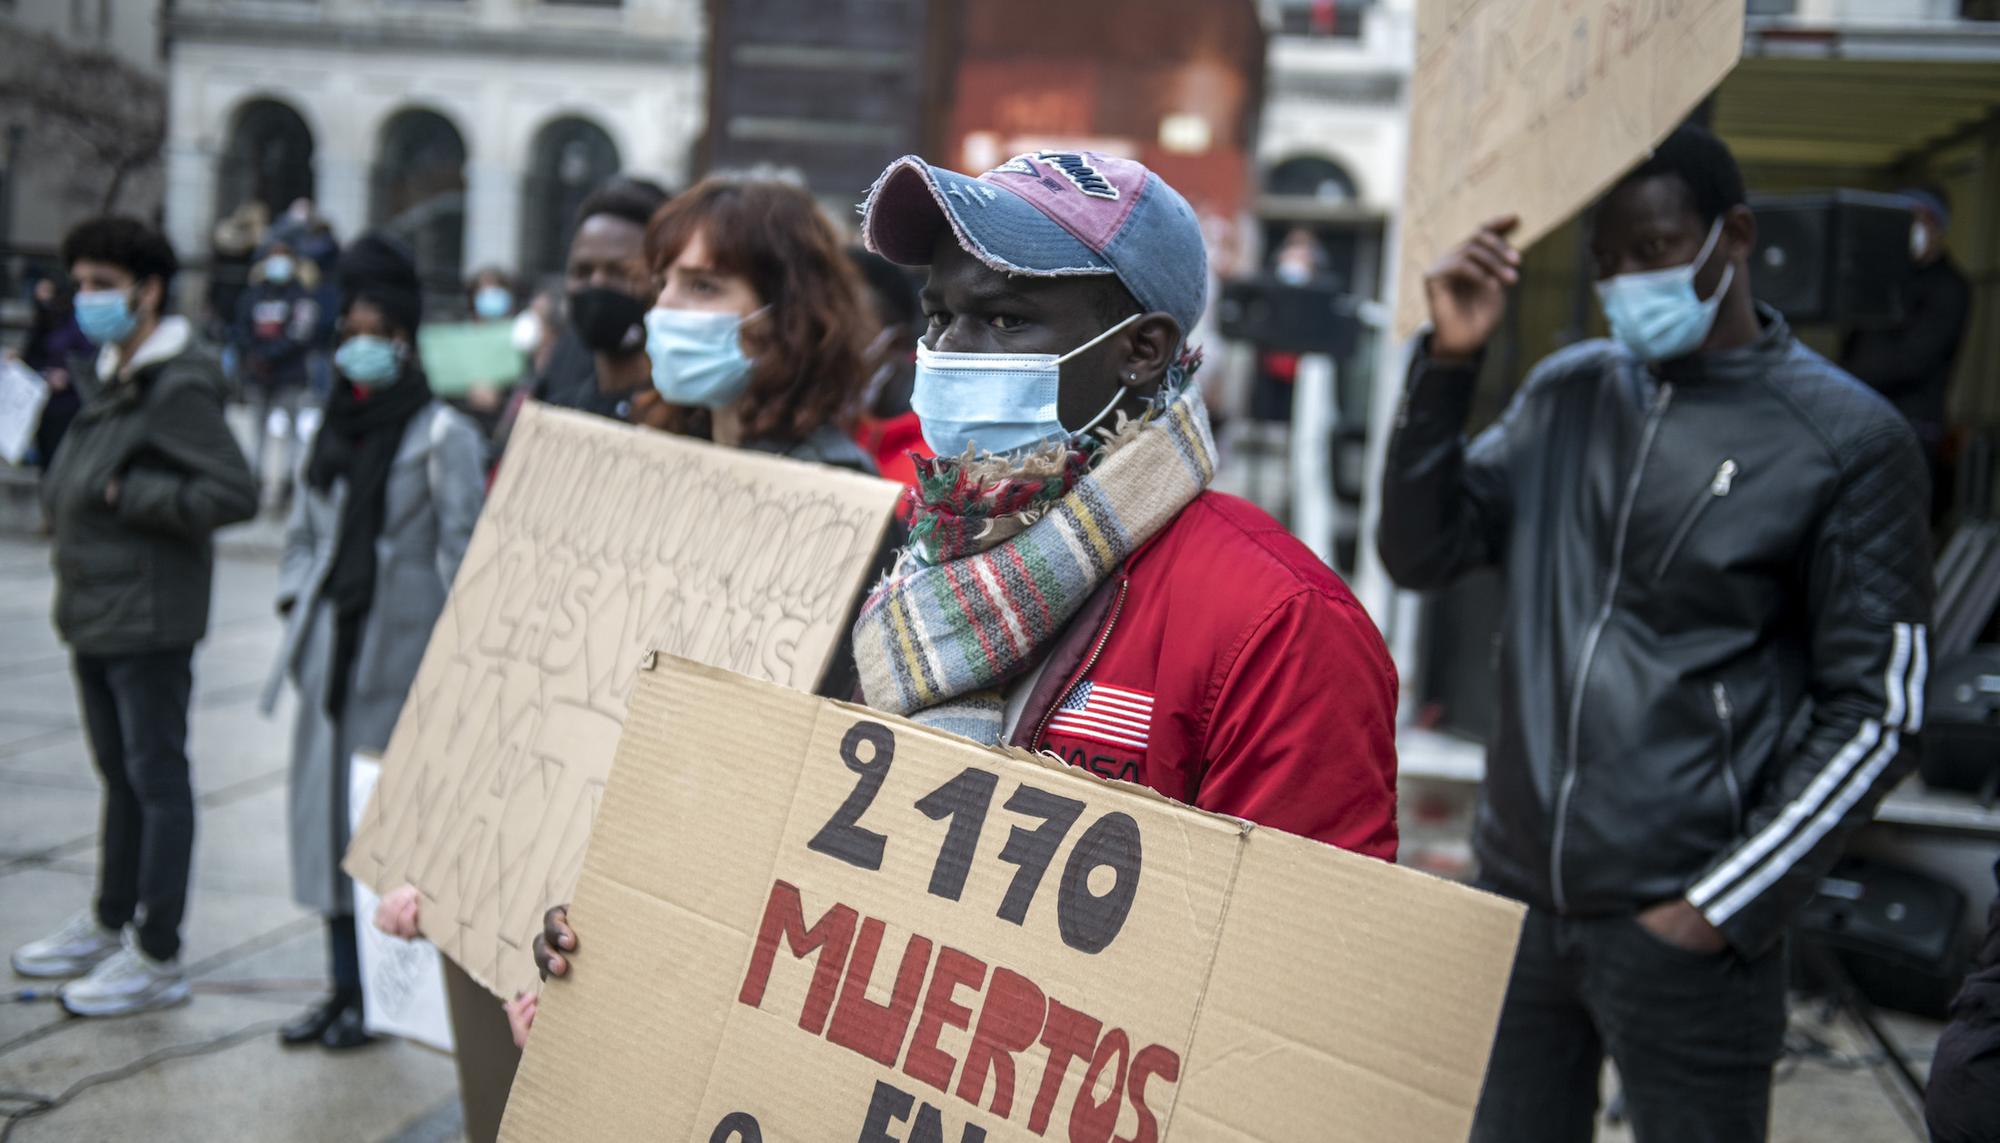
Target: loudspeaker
{"points": [[1296, 319], [1836, 257], [1961, 745], [1899, 933]]}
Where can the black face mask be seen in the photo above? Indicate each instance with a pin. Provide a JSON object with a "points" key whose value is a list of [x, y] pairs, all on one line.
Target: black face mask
{"points": [[608, 321]]}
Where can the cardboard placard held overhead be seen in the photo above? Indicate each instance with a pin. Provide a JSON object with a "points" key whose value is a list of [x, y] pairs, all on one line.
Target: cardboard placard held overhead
{"points": [[1534, 107], [805, 920], [600, 542]]}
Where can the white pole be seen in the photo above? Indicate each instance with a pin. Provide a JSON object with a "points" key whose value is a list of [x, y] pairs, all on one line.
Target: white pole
{"points": [[1315, 416]]}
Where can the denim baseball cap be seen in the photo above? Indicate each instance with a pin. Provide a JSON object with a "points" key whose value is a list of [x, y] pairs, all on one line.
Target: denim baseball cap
{"points": [[1049, 214]]}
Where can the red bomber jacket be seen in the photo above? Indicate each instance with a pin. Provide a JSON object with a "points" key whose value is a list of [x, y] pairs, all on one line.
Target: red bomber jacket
{"points": [[1225, 666]]}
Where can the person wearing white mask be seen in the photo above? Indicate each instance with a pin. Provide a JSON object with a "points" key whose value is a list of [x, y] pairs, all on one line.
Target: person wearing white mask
{"points": [[277, 322], [146, 474], [1911, 360], [391, 487], [1712, 654]]}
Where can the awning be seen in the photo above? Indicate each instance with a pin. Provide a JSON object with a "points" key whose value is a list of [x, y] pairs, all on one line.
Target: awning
{"points": [[1858, 97]]}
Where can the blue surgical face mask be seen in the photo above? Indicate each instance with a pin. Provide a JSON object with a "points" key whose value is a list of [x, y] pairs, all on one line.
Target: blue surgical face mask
{"points": [[997, 402], [369, 362], [697, 356], [105, 316], [278, 269], [1658, 314], [492, 302]]}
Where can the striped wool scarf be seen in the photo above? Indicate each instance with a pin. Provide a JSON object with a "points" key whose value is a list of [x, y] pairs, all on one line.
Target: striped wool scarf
{"points": [[937, 641]]}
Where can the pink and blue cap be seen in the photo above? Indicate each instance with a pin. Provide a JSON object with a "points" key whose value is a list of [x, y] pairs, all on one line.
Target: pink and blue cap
{"points": [[1049, 214]]}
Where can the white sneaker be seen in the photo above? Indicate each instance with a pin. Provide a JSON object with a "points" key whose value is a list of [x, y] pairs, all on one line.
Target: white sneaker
{"points": [[79, 946], [129, 981]]}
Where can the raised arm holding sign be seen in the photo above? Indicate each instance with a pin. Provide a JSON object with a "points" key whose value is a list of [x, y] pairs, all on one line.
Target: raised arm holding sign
{"points": [[1702, 524]]}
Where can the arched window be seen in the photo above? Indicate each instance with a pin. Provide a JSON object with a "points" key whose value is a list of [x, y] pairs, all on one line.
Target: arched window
{"points": [[269, 159], [569, 158], [1310, 176], [419, 192]]}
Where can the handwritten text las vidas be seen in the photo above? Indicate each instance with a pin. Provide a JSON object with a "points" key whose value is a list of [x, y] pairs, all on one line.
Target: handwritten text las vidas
{"points": [[1016, 1017]]}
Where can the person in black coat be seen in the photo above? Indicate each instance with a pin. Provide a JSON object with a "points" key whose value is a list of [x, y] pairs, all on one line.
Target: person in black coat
{"points": [[1963, 1104]]}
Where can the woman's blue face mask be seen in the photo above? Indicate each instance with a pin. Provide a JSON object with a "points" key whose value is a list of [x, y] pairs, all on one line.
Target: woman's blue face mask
{"points": [[697, 356]]}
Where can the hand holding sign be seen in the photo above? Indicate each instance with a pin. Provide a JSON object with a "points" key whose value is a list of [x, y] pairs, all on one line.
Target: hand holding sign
{"points": [[1467, 290], [556, 934]]}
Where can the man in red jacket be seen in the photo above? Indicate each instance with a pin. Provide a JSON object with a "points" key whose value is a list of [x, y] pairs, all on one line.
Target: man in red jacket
{"points": [[1070, 584]]}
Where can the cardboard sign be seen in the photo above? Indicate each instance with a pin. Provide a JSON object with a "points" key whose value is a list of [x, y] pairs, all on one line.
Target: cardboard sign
{"points": [[1535, 107], [805, 920], [23, 393], [460, 355], [402, 982], [601, 542]]}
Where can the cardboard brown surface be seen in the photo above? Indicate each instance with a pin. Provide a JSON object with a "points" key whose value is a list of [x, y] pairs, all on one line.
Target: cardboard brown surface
{"points": [[1257, 986], [599, 543], [1534, 107]]}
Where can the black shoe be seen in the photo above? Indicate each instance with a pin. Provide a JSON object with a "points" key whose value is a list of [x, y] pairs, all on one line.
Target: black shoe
{"points": [[346, 1032], [311, 1027]]}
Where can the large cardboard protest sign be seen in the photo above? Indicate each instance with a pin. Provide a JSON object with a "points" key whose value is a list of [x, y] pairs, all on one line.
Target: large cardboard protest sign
{"points": [[1534, 107], [601, 542], [804, 920]]}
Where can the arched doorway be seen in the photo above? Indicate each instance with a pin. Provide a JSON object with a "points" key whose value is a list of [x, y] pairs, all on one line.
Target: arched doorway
{"points": [[268, 159], [1312, 177], [418, 192], [569, 158]]}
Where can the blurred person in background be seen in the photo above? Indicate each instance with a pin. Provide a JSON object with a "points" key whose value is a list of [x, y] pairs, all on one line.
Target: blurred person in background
{"points": [[489, 295], [599, 361], [233, 251], [490, 301], [277, 326], [56, 349], [887, 427], [1910, 362], [392, 485], [147, 473]]}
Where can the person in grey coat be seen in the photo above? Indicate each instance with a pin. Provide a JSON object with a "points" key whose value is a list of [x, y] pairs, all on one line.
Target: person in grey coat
{"points": [[390, 490], [146, 475]]}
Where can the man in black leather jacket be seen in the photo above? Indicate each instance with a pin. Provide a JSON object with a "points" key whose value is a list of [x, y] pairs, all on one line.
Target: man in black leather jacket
{"points": [[1713, 651]]}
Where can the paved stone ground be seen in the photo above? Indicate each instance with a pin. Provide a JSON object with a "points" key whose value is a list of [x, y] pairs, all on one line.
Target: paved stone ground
{"points": [[257, 959], [254, 956]]}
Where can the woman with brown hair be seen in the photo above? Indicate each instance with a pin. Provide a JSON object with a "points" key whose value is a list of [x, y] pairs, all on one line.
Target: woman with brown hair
{"points": [[757, 338]]}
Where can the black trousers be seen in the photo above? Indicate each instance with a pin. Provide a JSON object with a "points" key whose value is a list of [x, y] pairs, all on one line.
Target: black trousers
{"points": [[1694, 1036], [135, 709]]}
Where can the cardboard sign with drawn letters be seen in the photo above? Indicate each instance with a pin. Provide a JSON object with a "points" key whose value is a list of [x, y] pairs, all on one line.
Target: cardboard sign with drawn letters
{"points": [[1534, 107], [600, 542], [804, 920]]}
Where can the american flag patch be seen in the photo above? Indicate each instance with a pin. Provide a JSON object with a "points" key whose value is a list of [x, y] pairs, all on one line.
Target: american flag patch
{"points": [[1100, 713]]}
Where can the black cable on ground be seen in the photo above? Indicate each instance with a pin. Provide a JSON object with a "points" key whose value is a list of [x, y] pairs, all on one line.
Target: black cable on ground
{"points": [[36, 1104]]}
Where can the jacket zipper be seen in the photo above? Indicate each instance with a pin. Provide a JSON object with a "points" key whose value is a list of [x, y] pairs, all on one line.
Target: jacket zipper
{"points": [[1726, 714], [1103, 637], [1590, 639], [1718, 487]]}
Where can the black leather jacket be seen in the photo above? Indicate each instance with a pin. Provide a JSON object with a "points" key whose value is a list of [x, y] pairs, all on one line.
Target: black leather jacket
{"points": [[1713, 653]]}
